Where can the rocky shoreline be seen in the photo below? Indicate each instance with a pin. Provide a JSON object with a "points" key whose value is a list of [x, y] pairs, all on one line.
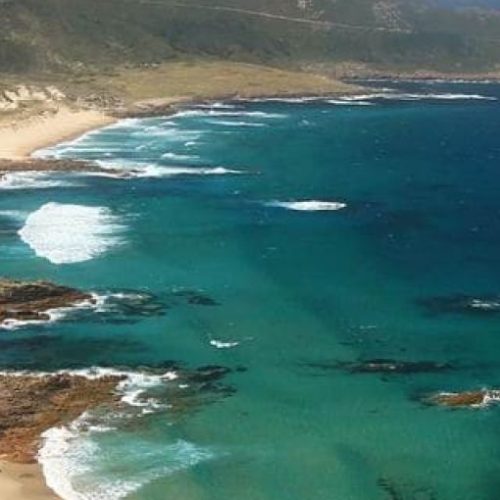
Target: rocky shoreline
{"points": [[32, 301], [30, 405]]}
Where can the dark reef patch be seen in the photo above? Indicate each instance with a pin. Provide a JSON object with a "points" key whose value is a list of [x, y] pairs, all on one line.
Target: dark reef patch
{"points": [[395, 491], [383, 366], [195, 298]]}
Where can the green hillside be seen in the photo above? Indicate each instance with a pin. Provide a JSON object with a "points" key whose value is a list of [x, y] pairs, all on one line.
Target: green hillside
{"points": [[74, 35]]}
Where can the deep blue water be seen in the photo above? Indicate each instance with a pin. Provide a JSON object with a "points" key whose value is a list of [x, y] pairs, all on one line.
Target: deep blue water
{"points": [[299, 291]]}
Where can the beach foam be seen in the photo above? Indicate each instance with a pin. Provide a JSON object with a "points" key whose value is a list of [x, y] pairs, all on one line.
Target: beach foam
{"points": [[65, 234], [308, 205], [77, 467]]}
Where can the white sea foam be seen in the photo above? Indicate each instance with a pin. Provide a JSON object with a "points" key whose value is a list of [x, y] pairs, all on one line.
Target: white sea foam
{"points": [[77, 467], [291, 100], [124, 170], [343, 102], [403, 96], [32, 180], [227, 123], [485, 305], [179, 157], [64, 234], [308, 205], [232, 114], [13, 214], [220, 344]]}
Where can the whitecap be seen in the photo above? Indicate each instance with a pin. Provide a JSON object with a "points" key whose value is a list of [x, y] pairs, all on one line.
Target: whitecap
{"points": [[32, 180], [219, 344], [133, 170], [308, 205], [343, 102], [64, 233], [179, 157]]}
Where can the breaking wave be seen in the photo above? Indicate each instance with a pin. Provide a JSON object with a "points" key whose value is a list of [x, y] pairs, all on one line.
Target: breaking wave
{"points": [[308, 205], [65, 234]]}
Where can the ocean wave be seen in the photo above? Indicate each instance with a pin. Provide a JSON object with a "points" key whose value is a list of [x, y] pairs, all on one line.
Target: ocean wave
{"points": [[402, 96], [179, 157], [78, 467], [220, 344], [32, 180], [65, 234], [227, 123], [232, 114], [173, 134], [344, 102], [308, 205], [14, 214], [291, 100], [133, 170]]}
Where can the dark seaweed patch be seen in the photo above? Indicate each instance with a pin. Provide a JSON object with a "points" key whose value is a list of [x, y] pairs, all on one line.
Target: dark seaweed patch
{"points": [[384, 366]]}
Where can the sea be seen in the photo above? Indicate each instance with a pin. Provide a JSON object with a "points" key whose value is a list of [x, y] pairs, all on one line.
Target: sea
{"points": [[279, 247]]}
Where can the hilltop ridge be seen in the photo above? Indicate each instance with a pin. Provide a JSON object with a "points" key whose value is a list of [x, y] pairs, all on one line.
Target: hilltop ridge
{"points": [[80, 35]]}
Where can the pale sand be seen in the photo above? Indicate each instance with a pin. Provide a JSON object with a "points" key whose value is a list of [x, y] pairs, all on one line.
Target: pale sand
{"points": [[23, 482], [19, 140]]}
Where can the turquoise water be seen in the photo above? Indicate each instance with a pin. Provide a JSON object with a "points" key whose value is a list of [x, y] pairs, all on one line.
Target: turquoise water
{"points": [[291, 290]]}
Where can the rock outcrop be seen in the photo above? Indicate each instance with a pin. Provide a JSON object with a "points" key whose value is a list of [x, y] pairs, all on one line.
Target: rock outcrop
{"points": [[29, 301], [31, 404], [471, 399], [17, 97]]}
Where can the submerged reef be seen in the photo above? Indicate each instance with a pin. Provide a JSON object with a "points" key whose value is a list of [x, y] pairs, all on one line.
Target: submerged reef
{"points": [[384, 366]]}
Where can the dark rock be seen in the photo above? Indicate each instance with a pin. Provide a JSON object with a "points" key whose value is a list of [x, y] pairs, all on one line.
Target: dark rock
{"points": [[30, 301], [481, 398]]}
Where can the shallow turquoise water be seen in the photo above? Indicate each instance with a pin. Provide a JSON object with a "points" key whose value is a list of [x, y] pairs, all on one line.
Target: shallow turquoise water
{"points": [[294, 289]]}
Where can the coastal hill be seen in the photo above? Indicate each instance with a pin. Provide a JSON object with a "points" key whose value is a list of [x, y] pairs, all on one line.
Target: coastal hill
{"points": [[67, 66], [75, 36]]}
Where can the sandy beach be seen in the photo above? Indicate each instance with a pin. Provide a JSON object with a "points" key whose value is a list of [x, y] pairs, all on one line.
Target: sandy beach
{"points": [[19, 140], [23, 482]]}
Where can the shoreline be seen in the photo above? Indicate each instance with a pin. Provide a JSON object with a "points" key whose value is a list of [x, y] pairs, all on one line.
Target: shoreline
{"points": [[18, 141]]}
